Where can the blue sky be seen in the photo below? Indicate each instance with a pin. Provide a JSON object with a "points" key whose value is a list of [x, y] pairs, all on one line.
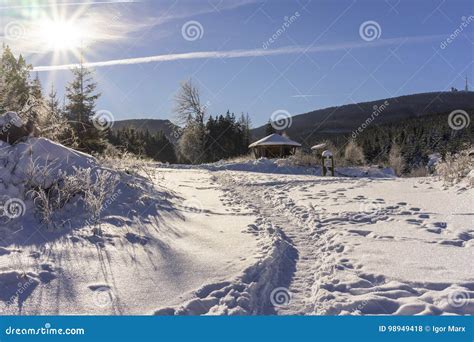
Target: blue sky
{"points": [[320, 59]]}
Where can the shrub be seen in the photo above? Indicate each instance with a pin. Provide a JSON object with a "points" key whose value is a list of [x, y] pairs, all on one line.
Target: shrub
{"points": [[96, 192], [300, 158], [454, 167], [94, 189], [353, 154], [396, 160]]}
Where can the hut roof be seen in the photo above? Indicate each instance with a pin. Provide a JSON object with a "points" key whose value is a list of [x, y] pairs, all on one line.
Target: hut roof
{"points": [[275, 140], [319, 146]]}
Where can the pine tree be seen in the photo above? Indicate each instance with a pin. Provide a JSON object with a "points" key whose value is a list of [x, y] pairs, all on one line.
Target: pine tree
{"points": [[15, 87], [55, 125], [82, 97]]}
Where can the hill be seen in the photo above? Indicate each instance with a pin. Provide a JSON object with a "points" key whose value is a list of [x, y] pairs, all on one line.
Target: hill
{"points": [[315, 125], [152, 125]]}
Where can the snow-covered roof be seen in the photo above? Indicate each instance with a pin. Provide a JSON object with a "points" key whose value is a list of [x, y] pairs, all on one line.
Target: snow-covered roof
{"points": [[275, 139], [319, 146], [327, 153]]}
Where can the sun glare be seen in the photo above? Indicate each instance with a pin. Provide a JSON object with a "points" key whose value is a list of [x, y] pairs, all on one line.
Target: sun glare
{"points": [[61, 35]]}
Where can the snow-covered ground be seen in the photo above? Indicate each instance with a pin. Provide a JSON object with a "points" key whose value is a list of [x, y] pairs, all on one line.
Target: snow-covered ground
{"points": [[244, 238]]}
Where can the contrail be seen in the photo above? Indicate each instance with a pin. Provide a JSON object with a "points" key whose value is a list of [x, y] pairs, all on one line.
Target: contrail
{"points": [[61, 4], [244, 53]]}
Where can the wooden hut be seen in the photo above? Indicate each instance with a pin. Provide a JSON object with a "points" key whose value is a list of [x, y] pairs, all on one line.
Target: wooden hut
{"points": [[274, 146]]}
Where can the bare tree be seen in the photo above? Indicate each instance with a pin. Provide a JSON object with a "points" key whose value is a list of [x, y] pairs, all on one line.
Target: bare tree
{"points": [[188, 105], [190, 113]]}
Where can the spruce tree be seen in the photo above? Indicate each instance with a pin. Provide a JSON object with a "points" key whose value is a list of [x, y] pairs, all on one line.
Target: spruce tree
{"points": [[82, 96], [15, 88]]}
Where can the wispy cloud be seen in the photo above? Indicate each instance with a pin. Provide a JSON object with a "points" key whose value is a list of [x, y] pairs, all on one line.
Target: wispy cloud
{"points": [[247, 53], [64, 4], [103, 24], [26, 33]]}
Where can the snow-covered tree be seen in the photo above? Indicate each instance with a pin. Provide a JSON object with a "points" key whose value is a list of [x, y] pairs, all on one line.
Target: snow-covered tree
{"points": [[82, 96]]}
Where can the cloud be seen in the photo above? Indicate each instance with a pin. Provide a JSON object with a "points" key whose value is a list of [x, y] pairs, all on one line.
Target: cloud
{"points": [[289, 50], [29, 33], [102, 24], [64, 4]]}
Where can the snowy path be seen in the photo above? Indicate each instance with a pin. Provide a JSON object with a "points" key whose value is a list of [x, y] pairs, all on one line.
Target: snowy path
{"points": [[367, 246], [208, 241]]}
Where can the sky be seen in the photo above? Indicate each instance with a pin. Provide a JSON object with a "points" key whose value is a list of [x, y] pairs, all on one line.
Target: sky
{"points": [[247, 56]]}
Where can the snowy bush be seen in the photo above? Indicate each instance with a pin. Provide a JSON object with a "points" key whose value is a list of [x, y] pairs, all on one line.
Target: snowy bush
{"points": [[96, 192], [396, 160], [301, 158], [421, 171], [353, 154], [93, 188], [455, 167]]}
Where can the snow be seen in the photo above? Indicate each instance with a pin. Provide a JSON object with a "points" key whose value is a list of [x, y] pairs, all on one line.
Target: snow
{"points": [[10, 118], [326, 154], [257, 237], [274, 139], [319, 146], [162, 239]]}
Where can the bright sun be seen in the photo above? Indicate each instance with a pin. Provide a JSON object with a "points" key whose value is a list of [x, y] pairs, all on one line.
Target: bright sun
{"points": [[61, 35]]}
